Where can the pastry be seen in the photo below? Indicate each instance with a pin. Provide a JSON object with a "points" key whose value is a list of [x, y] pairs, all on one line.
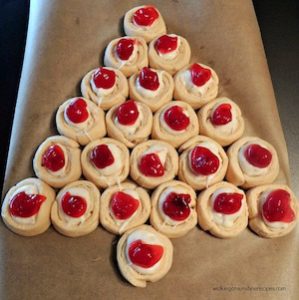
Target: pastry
{"points": [[56, 161], [173, 209], [26, 207], [222, 210], [105, 162], [143, 255], [76, 209], [105, 87], [152, 87], [196, 84], [169, 52], [80, 120], [175, 123], [128, 54], [144, 21], [252, 162], [202, 163], [123, 207], [273, 210], [221, 120], [152, 163], [129, 123]]}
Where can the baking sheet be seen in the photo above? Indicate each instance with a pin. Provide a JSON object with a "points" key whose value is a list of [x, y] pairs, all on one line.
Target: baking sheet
{"points": [[66, 39]]}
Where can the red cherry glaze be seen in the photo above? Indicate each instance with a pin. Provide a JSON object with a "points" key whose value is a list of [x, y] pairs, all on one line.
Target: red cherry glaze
{"points": [[176, 206], [104, 78], [77, 111], [101, 156], [228, 203], [127, 113], [199, 74], [150, 165], [149, 79], [258, 156], [204, 161], [124, 48], [73, 205], [277, 207], [176, 119], [25, 205], [145, 16], [166, 44], [145, 255], [123, 205], [222, 114], [53, 158]]}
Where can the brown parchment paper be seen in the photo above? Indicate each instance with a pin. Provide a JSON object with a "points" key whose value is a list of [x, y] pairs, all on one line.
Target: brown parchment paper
{"points": [[66, 39]]}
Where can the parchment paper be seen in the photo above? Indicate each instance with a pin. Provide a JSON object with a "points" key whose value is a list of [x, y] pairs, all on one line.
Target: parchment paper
{"points": [[66, 39]]}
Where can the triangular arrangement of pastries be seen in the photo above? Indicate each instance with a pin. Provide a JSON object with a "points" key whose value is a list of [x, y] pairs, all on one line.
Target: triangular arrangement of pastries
{"points": [[144, 144]]}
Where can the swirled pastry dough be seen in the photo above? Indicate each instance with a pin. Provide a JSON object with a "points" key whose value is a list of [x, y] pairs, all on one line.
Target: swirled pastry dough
{"points": [[63, 154], [92, 128], [76, 209], [229, 128], [135, 274], [179, 220], [242, 173], [219, 222], [118, 223], [15, 213], [163, 131]]}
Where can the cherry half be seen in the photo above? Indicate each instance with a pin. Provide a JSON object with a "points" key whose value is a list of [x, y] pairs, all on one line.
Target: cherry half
{"points": [[101, 156], [104, 78], [149, 79], [53, 158], [127, 113], [73, 205], [25, 205], [176, 119], [222, 114], [124, 48], [228, 203], [145, 16], [277, 207], [145, 255], [204, 161], [176, 206], [258, 156], [123, 205], [166, 44], [151, 165], [77, 111], [199, 74]]}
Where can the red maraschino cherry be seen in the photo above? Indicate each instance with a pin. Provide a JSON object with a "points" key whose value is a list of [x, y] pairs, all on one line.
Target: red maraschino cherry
{"points": [[228, 203], [104, 78], [77, 111], [127, 113], [123, 205], [176, 119], [149, 79], [204, 161], [53, 158], [73, 205], [200, 75], [124, 48], [145, 255], [222, 114], [277, 207], [101, 156], [166, 44], [176, 206], [24, 205], [145, 16], [258, 156], [151, 165]]}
